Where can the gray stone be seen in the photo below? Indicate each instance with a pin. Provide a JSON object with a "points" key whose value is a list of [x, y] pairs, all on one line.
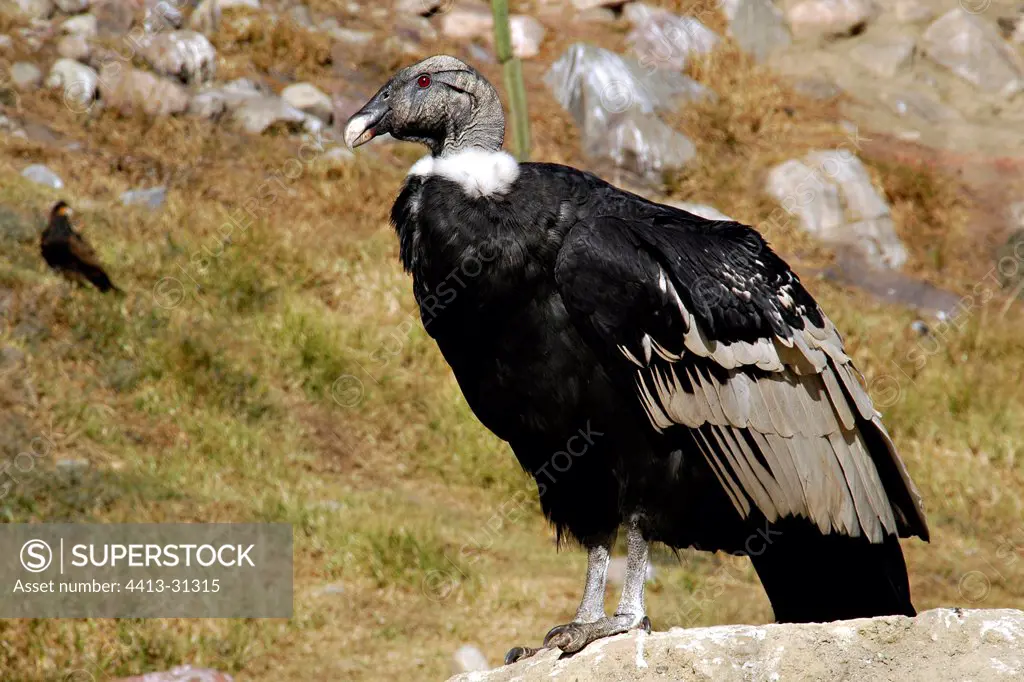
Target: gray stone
{"points": [[972, 48], [35, 9], [414, 28], [42, 175], [662, 39], [594, 84], [6, 42], [597, 15], [467, 659], [72, 6], [613, 100], [250, 4], [941, 645], [113, 17], [800, 191], [185, 55], [209, 104], [351, 36], [152, 198], [891, 286], [130, 90], [310, 99], [817, 88], [239, 91], [829, 18], [915, 104], [206, 17], [702, 210], [74, 47], [643, 144], [467, 22], [259, 114], [527, 35], [26, 76], [884, 57], [78, 81], [832, 196], [912, 11], [162, 15], [85, 25], [758, 26]]}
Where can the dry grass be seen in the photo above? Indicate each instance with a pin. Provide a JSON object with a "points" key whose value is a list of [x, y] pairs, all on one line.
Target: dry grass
{"points": [[221, 407]]}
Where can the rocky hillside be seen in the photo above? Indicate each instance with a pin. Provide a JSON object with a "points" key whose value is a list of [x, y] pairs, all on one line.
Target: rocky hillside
{"points": [[266, 362]]}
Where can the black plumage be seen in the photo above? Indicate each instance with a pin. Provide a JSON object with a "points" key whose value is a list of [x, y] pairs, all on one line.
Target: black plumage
{"points": [[67, 252], [649, 367]]}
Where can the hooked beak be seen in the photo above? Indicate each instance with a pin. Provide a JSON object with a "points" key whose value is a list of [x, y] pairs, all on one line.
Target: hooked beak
{"points": [[369, 122]]}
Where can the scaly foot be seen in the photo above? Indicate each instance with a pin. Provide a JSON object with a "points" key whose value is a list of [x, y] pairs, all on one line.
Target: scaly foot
{"points": [[573, 637]]}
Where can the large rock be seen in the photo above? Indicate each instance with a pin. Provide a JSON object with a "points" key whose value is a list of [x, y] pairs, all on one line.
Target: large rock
{"points": [[114, 17], [884, 57], [262, 113], [662, 39], [829, 18], [26, 75], [471, 22], [758, 26], [643, 144], [942, 645], [84, 25], [972, 48], [527, 34], [35, 9], [613, 99], [72, 6], [310, 99], [130, 90], [42, 175], [832, 196], [184, 55], [912, 11], [74, 47], [78, 82], [594, 84]]}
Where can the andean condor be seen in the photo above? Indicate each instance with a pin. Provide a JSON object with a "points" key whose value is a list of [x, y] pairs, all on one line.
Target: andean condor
{"points": [[650, 368], [68, 253]]}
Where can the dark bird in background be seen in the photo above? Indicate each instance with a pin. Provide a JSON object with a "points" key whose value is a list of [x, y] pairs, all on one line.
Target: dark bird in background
{"points": [[651, 369], [68, 253]]}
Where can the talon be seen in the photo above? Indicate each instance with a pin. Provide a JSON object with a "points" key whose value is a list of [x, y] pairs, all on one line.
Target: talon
{"points": [[570, 637], [518, 653], [645, 625]]}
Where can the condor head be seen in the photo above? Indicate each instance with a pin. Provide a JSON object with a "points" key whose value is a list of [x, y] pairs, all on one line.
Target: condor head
{"points": [[441, 102]]}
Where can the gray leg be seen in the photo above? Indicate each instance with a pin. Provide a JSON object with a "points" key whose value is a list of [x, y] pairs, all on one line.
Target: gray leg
{"points": [[592, 606], [591, 609], [631, 612]]}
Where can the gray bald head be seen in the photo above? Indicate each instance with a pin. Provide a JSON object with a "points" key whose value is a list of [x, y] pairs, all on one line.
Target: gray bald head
{"points": [[441, 101]]}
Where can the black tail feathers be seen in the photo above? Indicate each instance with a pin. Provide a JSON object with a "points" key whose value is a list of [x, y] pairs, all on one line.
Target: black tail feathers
{"points": [[815, 578]]}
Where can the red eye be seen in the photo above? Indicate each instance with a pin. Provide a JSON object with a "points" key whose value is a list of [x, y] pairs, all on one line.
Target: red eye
{"points": [[423, 81]]}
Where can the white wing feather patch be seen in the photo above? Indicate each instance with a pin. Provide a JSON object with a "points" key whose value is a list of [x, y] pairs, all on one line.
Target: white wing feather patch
{"points": [[799, 420]]}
